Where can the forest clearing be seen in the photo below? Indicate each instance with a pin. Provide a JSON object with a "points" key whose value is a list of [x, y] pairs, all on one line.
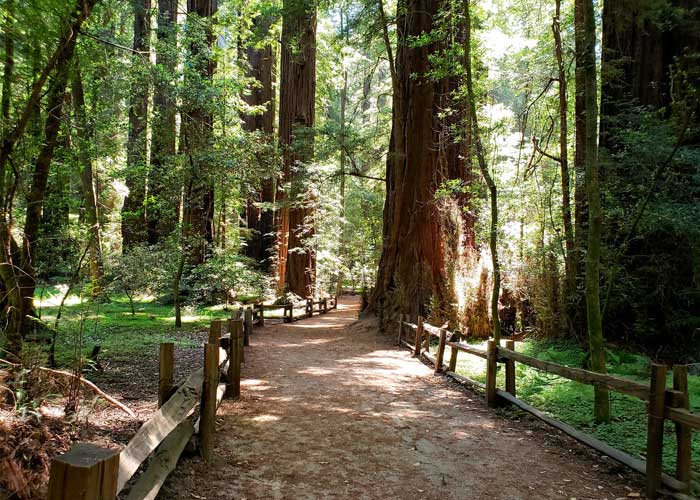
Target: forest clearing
{"points": [[349, 249]]}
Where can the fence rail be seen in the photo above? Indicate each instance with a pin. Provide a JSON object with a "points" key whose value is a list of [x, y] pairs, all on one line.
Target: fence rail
{"points": [[662, 403], [88, 471]]}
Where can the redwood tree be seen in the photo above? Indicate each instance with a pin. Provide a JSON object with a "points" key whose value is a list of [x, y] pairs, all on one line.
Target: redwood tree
{"points": [[411, 273], [261, 61], [296, 261]]}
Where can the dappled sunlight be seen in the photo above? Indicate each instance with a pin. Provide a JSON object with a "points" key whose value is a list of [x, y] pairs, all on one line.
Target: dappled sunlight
{"points": [[265, 418]]}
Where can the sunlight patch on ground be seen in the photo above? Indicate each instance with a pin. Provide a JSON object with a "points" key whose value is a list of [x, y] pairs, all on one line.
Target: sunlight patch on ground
{"points": [[316, 371], [265, 418]]}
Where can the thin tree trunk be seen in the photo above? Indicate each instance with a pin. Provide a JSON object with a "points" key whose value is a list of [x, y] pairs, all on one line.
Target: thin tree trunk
{"points": [[342, 150], [570, 264], [483, 167], [595, 326], [92, 218], [133, 212]]}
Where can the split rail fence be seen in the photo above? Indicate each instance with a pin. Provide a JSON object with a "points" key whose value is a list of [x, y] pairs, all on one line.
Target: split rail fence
{"points": [[662, 403], [91, 472]]}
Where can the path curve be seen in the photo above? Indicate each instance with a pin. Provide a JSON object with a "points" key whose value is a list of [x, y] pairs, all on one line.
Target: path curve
{"points": [[331, 409]]}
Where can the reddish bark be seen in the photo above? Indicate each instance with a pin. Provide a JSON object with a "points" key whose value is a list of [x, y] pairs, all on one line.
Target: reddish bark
{"points": [[297, 263], [261, 61]]}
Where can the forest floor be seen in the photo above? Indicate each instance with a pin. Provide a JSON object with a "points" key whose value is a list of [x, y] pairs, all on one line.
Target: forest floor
{"points": [[332, 409]]}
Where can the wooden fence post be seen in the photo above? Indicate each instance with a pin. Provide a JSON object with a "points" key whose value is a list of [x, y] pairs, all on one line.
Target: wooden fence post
{"points": [[655, 429], [85, 472], [215, 329], [309, 307], [683, 432], [262, 315], [401, 318], [427, 337], [207, 422], [233, 375], [453, 357], [491, 370], [441, 351], [166, 361], [247, 326], [419, 337], [325, 305], [510, 369]]}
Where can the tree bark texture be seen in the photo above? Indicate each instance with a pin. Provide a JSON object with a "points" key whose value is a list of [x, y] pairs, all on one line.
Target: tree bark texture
{"points": [[296, 261], [260, 221]]}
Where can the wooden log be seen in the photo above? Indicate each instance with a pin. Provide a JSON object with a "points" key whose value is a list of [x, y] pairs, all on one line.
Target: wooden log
{"points": [[406, 344], [162, 423], [85, 472], [166, 362], [440, 356], [682, 416], [208, 406], [510, 369], [604, 448], [611, 382], [683, 432], [215, 329], [419, 337], [233, 377], [655, 430], [163, 463], [491, 370], [461, 346]]}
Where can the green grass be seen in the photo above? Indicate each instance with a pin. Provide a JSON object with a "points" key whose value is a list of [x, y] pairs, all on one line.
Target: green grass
{"points": [[115, 328], [572, 402]]}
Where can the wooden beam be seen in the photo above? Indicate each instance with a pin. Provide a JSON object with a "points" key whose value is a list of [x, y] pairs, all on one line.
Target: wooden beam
{"points": [[510, 369], [466, 380], [162, 423], [440, 356], [461, 346], [491, 371], [233, 377], [611, 382], [419, 335]]}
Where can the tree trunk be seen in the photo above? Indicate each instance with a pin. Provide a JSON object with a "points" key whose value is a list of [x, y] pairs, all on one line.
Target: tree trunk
{"points": [[163, 188], [595, 326], [133, 212], [198, 123], [493, 192], [570, 264], [580, 201], [411, 273], [297, 262], [92, 218], [260, 221]]}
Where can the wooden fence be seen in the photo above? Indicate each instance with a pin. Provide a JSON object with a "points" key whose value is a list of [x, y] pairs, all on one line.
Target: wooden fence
{"points": [[662, 403], [90, 472]]}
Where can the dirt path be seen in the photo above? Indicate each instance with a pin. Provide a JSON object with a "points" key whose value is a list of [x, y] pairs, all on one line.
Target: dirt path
{"points": [[331, 409]]}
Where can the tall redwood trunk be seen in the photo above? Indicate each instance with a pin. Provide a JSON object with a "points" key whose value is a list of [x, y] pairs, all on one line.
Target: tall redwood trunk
{"points": [[133, 212], [296, 261], [261, 62], [198, 123], [411, 274], [163, 189]]}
